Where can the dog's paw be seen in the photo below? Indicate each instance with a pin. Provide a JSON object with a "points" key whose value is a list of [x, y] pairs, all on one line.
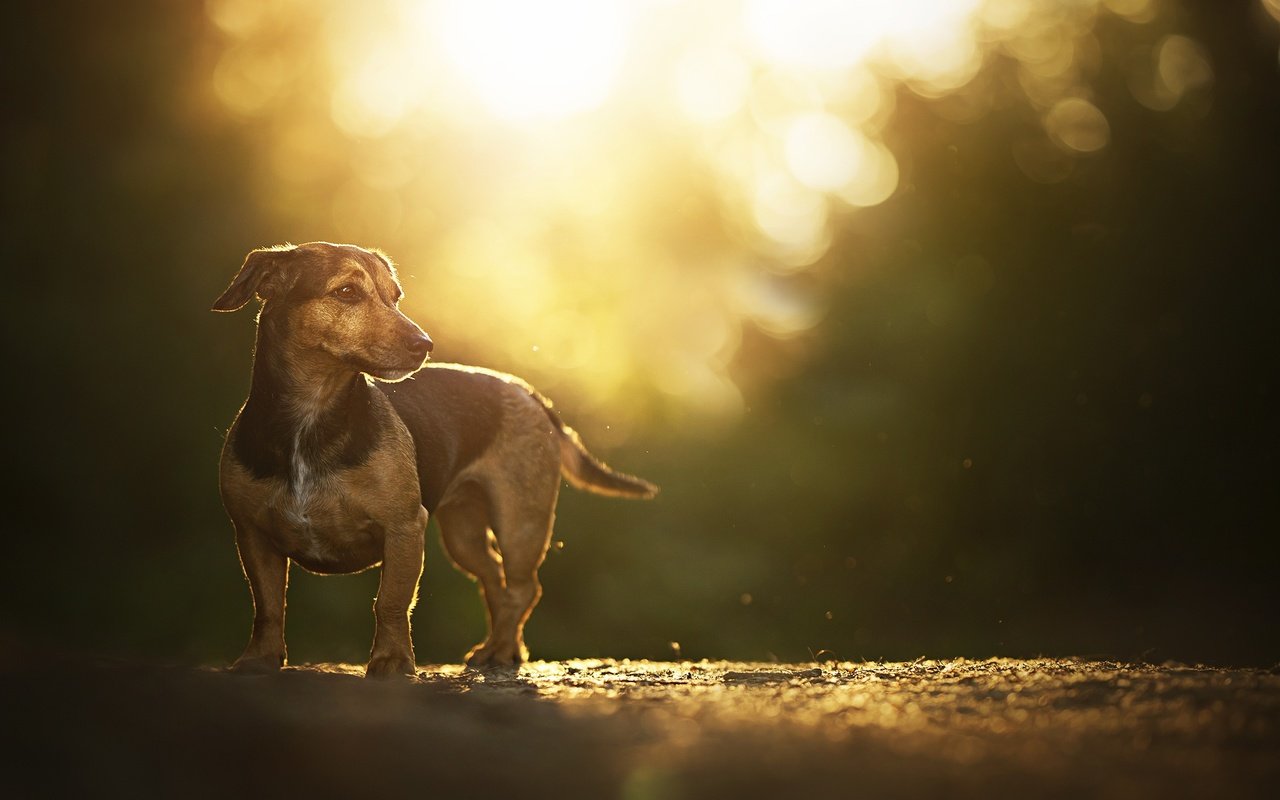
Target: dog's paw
{"points": [[258, 664], [487, 655], [391, 666]]}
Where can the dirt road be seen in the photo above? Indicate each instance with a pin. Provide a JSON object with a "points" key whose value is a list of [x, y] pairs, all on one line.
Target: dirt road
{"points": [[636, 730]]}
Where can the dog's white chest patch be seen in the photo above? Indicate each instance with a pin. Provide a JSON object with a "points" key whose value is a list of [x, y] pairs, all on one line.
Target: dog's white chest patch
{"points": [[312, 527], [300, 504], [316, 516], [297, 506], [317, 522]]}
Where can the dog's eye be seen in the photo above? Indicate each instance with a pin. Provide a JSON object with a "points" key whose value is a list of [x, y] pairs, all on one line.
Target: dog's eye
{"points": [[347, 292]]}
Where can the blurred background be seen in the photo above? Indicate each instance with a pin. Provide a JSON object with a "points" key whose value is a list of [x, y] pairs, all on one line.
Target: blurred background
{"points": [[943, 323]]}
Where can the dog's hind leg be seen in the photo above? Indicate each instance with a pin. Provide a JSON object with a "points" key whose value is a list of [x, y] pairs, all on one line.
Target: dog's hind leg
{"points": [[464, 530], [515, 484], [522, 526]]}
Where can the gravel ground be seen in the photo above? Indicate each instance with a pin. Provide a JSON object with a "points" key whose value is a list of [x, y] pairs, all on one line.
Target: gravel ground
{"points": [[638, 729]]}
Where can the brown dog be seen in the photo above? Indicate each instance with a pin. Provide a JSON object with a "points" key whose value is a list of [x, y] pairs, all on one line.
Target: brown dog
{"points": [[337, 473]]}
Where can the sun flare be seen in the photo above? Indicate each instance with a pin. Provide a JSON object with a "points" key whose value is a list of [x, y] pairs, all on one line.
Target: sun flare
{"points": [[535, 60], [610, 192]]}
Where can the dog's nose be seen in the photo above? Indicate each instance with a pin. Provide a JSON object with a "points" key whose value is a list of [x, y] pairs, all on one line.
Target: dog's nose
{"points": [[420, 344]]}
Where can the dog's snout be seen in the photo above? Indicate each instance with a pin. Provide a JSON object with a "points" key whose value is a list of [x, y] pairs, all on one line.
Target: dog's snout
{"points": [[419, 343]]}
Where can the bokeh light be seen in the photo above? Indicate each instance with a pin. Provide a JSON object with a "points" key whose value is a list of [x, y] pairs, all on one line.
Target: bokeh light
{"points": [[882, 294], [534, 60], [1076, 124], [605, 195]]}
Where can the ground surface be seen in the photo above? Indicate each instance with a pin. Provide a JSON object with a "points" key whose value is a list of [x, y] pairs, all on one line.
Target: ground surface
{"points": [[636, 730]]}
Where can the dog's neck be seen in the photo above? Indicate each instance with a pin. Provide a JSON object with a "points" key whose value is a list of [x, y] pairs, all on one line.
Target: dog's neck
{"points": [[302, 390], [305, 414]]}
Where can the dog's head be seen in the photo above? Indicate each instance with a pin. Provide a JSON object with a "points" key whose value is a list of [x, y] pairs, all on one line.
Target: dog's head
{"points": [[336, 299]]}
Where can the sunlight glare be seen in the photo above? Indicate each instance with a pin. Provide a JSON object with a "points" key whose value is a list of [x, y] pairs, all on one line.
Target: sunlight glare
{"points": [[778, 97], [793, 217], [712, 84], [817, 34], [823, 153], [541, 60], [838, 34], [372, 98], [876, 181], [612, 197]]}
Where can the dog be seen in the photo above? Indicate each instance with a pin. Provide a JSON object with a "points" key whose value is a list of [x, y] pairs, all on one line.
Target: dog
{"points": [[347, 442]]}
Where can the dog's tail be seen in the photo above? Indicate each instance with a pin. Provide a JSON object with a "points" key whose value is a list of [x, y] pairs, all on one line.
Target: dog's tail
{"points": [[585, 471]]}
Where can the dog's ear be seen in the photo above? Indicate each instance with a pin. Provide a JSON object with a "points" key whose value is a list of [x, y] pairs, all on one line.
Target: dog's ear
{"points": [[255, 277]]}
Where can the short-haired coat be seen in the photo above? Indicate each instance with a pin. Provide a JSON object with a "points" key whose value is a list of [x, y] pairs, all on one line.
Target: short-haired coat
{"points": [[333, 471]]}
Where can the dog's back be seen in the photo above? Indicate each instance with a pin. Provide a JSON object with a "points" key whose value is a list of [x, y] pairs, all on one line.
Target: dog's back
{"points": [[456, 414]]}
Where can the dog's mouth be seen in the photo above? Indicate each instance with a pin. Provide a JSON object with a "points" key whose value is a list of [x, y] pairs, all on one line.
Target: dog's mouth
{"points": [[389, 363], [393, 374]]}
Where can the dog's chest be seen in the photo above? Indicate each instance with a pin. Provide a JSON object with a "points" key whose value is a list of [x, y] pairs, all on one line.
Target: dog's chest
{"points": [[327, 517], [327, 525], [324, 525]]}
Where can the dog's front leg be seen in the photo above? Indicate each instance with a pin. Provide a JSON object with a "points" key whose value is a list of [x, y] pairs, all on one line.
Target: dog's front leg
{"points": [[397, 592], [268, 574]]}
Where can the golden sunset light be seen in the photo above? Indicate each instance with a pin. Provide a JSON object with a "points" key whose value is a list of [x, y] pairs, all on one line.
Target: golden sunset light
{"points": [[510, 154], [642, 398]]}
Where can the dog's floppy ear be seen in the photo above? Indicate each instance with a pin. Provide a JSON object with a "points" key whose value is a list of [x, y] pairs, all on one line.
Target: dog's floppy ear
{"points": [[253, 278]]}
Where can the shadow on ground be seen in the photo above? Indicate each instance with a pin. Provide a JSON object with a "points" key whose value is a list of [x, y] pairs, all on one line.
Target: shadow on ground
{"points": [[637, 730]]}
